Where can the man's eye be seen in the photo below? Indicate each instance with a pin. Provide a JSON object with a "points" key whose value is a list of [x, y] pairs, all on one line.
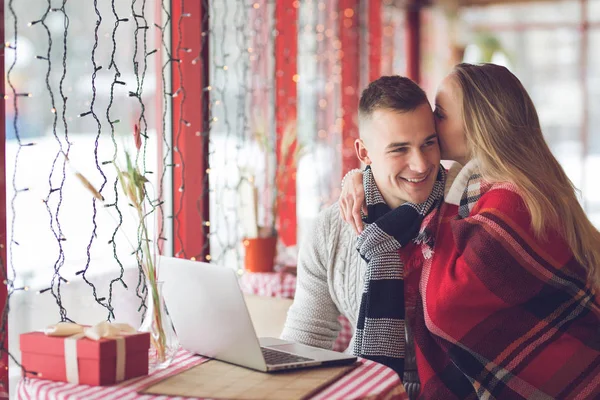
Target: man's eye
{"points": [[400, 150], [430, 142]]}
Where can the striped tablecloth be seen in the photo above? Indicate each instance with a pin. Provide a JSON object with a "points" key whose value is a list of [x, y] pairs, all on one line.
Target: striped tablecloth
{"points": [[369, 381], [283, 284]]}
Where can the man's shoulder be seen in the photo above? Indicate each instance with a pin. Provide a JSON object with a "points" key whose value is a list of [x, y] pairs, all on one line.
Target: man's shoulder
{"points": [[329, 222], [330, 214]]}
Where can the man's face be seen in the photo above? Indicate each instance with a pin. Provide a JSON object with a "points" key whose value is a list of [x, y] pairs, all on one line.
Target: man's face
{"points": [[402, 150]]}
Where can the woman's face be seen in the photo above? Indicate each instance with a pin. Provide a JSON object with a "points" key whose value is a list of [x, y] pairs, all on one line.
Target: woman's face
{"points": [[448, 121]]}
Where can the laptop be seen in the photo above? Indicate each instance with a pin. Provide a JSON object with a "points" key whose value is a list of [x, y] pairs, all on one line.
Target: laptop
{"points": [[210, 316]]}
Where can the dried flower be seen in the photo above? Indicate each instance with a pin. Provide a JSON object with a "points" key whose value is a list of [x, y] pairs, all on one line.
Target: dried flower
{"points": [[137, 137], [89, 186], [133, 184]]}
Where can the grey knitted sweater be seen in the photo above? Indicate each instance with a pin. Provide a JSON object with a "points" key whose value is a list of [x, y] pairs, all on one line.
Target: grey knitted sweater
{"points": [[330, 282]]}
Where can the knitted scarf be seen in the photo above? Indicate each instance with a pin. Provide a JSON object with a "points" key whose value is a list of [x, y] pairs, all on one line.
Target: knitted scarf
{"points": [[380, 329]]}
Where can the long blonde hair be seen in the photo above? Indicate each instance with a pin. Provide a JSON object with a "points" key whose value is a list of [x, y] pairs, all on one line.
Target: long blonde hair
{"points": [[504, 134]]}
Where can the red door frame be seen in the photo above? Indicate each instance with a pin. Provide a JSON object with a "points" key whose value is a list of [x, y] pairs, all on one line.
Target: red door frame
{"points": [[191, 218], [286, 78], [350, 63]]}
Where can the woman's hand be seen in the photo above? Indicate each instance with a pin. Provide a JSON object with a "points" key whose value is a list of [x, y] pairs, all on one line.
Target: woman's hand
{"points": [[352, 199]]}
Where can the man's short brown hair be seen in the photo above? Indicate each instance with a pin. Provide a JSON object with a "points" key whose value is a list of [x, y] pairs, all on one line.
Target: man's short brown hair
{"points": [[393, 93]]}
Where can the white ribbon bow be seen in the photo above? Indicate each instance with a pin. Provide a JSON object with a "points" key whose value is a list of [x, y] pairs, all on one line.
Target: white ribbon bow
{"points": [[74, 332]]}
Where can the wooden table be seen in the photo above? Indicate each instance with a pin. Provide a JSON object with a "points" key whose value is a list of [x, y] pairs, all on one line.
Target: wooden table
{"points": [[369, 381]]}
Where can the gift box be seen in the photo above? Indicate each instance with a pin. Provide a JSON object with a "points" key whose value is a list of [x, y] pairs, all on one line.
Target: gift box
{"points": [[79, 359]]}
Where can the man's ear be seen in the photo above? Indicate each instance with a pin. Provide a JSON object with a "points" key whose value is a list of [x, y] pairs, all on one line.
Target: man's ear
{"points": [[361, 151]]}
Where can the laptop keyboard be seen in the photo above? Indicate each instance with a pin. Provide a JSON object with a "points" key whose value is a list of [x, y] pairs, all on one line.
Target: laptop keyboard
{"points": [[275, 357]]}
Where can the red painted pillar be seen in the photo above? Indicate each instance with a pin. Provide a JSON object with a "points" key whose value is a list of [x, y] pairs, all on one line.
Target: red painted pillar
{"points": [[286, 77], [190, 129], [3, 291], [375, 42], [413, 42], [350, 63]]}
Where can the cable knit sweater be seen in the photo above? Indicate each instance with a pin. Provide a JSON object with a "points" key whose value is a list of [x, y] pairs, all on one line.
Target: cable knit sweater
{"points": [[330, 280]]}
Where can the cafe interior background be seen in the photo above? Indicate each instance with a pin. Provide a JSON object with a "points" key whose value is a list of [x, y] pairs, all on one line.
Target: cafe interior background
{"points": [[246, 113]]}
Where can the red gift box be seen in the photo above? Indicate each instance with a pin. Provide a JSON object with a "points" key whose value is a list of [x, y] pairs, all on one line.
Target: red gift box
{"points": [[96, 359]]}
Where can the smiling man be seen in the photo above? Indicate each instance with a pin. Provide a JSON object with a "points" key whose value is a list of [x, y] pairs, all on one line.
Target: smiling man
{"points": [[398, 140], [403, 182]]}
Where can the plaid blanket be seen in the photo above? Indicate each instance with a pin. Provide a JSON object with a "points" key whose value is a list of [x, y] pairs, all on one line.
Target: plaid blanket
{"points": [[503, 314]]}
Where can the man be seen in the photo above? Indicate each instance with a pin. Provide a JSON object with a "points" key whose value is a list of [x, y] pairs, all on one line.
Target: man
{"points": [[402, 183]]}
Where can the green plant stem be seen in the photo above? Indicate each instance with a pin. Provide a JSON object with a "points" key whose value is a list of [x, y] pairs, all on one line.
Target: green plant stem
{"points": [[151, 276]]}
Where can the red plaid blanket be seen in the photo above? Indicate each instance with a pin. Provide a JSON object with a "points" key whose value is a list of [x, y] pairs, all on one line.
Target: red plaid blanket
{"points": [[502, 314]]}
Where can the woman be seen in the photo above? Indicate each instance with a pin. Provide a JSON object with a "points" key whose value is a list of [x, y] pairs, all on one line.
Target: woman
{"points": [[507, 305]]}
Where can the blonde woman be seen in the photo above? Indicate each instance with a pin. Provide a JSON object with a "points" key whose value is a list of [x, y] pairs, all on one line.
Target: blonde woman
{"points": [[507, 306]]}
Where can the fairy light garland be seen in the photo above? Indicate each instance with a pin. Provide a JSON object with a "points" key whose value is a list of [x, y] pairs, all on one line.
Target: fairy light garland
{"points": [[141, 25], [204, 132], [16, 191], [7, 280], [96, 68], [168, 153], [219, 117], [60, 157], [242, 71], [180, 168], [329, 111], [116, 81], [64, 146]]}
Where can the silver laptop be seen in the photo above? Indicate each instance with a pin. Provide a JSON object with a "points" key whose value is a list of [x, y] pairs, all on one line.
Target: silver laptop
{"points": [[211, 319]]}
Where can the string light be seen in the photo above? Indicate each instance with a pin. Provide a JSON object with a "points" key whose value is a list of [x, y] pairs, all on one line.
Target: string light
{"points": [[178, 206], [168, 153], [15, 125]]}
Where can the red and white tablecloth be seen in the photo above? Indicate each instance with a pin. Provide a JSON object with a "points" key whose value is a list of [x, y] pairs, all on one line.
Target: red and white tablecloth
{"points": [[283, 284], [368, 381]]}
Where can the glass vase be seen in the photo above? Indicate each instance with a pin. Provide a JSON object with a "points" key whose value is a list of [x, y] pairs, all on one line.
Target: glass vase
{"points": [[163, 339]]}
